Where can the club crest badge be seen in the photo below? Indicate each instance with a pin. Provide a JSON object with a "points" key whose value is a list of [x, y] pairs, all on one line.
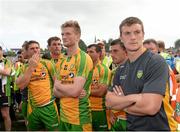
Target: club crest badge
{"points": [[139, 74]]}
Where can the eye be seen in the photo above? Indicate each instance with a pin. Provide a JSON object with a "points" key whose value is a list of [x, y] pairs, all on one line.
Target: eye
{"points": [[137, 32]]}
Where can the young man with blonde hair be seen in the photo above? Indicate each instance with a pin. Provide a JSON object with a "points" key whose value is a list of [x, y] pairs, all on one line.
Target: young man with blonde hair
{"points": [[75, 75]]}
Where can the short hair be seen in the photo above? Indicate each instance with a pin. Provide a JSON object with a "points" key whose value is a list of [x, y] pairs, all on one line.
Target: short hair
{"points": [[148, 41], [118, 42], [24, 44], [19, 52], [130, 21], [0, 48], [52, 39], [161, 44], [73, 24], [97, 47], [29, 43]]}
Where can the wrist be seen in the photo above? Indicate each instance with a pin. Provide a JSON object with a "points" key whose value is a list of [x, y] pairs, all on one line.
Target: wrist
{"points": [[108, 107]]}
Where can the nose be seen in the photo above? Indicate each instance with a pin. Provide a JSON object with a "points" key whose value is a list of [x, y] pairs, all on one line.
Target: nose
{"points": [[132, 36]]}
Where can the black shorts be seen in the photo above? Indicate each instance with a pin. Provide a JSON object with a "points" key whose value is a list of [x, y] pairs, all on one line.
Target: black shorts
{"points": [[4, 101]]}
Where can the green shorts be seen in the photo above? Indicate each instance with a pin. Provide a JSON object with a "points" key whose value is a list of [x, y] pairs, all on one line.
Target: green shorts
{"points": [[119, 125], [43, 118], [63, 126], [99, 121], [24, 109]]}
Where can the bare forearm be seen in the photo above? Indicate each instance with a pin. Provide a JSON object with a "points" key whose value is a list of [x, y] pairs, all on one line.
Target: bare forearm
{"points": [[147, 104], [24, 80], [120, 102], [123, 105], [66, 90], [132, 112], [57, 93]]}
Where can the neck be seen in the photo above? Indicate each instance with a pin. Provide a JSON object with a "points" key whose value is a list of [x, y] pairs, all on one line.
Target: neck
{"points": [[72, 50], [95, 62], [123, 61], [133, 55]]}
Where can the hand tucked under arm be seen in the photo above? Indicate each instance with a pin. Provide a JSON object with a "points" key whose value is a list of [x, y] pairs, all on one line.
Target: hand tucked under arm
{"points": [[99, 90], [119, 102]]}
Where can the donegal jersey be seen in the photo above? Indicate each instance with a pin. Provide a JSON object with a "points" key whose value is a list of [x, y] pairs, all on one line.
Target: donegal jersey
{"points": [[40, 85], [101, 75], [76, 110]]}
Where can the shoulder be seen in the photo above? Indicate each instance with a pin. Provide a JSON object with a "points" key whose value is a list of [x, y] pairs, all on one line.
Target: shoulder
{"points": [[157, 59], [47, 63], [85, 59], [122, 66], [105, 68]]}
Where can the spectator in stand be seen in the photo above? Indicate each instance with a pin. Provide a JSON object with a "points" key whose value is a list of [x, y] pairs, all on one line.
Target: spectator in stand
{"points": [[169, 59]]}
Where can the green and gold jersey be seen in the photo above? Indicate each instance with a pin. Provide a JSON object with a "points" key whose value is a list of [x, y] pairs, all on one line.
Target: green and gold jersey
{"points": [[40, 87], [76, 110], [101, 75]]}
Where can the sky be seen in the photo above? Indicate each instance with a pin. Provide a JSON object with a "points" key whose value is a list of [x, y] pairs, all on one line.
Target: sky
{"points": [[38, 20]]}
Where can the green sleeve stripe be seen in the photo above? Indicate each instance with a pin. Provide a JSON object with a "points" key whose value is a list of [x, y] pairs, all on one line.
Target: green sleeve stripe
{"points": [[105, 77], [84, 104], [99, 72], [82, 63]]}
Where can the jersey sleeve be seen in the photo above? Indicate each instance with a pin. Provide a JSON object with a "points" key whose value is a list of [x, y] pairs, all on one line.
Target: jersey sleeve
{"points": [[84, 66], [156, 76], [105, 75]]}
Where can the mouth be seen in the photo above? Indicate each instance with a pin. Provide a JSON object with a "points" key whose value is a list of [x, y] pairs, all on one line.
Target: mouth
{"points": [[133, 43]]}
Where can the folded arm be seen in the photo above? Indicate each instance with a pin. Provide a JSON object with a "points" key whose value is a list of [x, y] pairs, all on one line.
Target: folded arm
{"points": [[69, 90]]}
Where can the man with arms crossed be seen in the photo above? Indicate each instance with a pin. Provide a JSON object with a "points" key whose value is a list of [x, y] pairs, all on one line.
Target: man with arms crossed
{"points": [[75, 77], [100, 82], [141, 84], [119, 57]]}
